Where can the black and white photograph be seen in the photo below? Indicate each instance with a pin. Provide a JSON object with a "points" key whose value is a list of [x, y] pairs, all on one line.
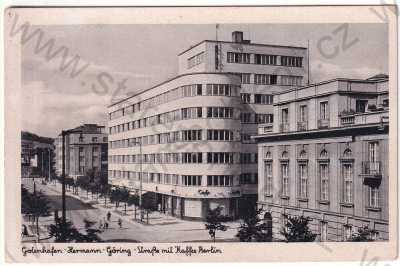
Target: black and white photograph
{"points": [[211, 132]]}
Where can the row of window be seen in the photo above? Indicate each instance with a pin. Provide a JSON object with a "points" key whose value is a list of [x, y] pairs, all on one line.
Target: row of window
{"points": [[175, 136], [347, 174], [258, 98], [323, 116], [196, 60], [174, 179], [264, 59], [178, 93], [250, 118], [187, 157], [175, 115]]}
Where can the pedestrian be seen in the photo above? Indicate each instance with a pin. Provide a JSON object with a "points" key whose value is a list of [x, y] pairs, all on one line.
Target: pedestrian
{"points": [[120, 223], [108, 216], [24, 230], [106, 225], [100, 224]]}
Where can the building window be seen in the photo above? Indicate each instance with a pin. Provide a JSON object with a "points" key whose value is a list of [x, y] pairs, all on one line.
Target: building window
{"points": [[361, 106], [291, 61], [240, 58], [191, 180], [323, 231], [248, 179], [285, 179], [196, 60], [219, 180], [192, 157], [284, 127], [245, 97], [347, 232], [220, 112], [219, 135], [263, 99], [264, 118], [220, 157], [191, 135], [245, 78], [263, 59], [245, 118], [347, 172], [265, 79], [268, 178], [373, 163], [303, 179], [324, 178], [290, 80], [373, 196], [323, 111], [222, 90]]}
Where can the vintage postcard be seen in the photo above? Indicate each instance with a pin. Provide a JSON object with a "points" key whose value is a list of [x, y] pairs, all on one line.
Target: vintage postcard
{"points": [[204, 134]]}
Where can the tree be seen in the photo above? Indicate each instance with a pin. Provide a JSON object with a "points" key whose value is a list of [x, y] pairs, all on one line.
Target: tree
{"points": [[363, 234], [214, 221], [133, 200], [296, 229], [104, 192], [115, 196], [63, 232], [68, 233], [83, 183], [36, 205], [124, 197], [252, 228]]}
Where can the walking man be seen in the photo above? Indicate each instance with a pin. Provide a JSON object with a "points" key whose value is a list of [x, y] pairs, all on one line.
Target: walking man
{"points": [[120, 223]]}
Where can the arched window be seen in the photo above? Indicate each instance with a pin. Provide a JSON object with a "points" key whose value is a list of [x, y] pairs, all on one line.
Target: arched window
{"points": [[268, 155], [323, 154], [285, 155], [347, 153], [303, 154]]}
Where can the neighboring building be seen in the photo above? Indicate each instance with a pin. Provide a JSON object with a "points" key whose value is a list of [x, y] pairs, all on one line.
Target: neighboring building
{"points": [[86, 149], [37, 155], [195, 128], [327, 158]]}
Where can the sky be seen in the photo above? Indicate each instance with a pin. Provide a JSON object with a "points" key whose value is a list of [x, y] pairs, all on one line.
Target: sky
{"points": [[131, 58]]}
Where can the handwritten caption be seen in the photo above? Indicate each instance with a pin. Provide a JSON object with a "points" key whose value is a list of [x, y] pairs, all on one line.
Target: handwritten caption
{"points": [[139, 250]]}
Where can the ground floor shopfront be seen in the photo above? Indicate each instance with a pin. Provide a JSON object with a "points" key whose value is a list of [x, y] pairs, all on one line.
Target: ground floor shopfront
{"points": [[197, 208]]}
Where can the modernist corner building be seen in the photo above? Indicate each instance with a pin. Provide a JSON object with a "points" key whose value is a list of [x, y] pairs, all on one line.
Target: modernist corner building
{"points": [[188, 138], [326, 157], [86, 148]]}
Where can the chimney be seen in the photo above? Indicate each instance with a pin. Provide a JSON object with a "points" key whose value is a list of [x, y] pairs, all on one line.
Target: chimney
{"points": [[237, 36]]}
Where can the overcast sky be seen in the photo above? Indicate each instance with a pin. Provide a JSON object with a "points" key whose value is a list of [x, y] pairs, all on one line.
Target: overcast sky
{"points": [[147, 54]]}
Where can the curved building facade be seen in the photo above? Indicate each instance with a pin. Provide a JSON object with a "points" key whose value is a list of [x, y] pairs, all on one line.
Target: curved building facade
{"points": [[189, 128]]}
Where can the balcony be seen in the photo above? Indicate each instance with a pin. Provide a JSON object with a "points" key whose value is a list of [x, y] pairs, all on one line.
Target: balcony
{"points": [[265, 128], [323, 123], [347, 120], [302, 126], [371, 173], [284, 127], [371, 169]]}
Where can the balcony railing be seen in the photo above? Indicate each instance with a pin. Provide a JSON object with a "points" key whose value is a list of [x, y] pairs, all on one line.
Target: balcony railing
{"points": [[284, 127], [371, 168], [347, 120], [301, 126], [323, 123]]}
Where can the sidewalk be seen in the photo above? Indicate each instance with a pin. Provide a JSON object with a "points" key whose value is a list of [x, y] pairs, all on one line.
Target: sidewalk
{"points": [[161, 227]]}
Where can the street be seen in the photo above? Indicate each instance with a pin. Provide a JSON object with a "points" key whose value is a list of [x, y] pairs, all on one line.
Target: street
{"points": [[162, 228]]}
